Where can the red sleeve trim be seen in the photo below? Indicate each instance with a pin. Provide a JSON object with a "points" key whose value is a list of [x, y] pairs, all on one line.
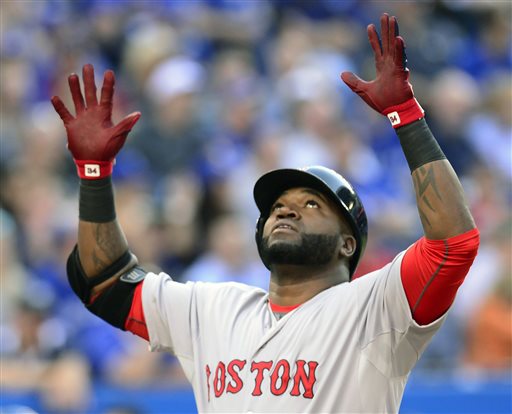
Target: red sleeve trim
{"points": [[136, 322], [433, 270]]}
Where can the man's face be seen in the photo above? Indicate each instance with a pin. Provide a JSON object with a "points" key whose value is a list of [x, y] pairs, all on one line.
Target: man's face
{"points": [[303, 228]]}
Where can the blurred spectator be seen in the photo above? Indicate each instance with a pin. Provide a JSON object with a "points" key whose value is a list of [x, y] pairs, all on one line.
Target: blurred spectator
{"points": [[148, 43], [488, 328], [13, 273], [35, 354], [490, 129], [489, 335], [453, 96], [230, 255], [179, 198], [173, 120]]}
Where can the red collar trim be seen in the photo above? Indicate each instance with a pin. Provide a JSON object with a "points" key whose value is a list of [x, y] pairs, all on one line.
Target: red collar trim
{"points": [[282, 309]]}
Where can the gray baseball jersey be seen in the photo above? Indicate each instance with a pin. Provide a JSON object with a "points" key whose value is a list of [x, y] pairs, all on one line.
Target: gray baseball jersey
{"points": [[349, 349]]}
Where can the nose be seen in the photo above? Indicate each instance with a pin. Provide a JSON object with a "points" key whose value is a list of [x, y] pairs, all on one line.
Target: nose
{"points": [[283, 212]]}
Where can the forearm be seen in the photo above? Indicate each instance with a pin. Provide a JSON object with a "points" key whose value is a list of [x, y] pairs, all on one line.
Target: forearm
{"points": [[101, 240], [101, 269], [440, 198], [441, 203], [100, 245]]}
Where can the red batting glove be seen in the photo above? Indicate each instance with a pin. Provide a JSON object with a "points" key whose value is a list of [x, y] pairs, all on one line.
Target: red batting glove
{"points": [[390, 93], [93, 139]]}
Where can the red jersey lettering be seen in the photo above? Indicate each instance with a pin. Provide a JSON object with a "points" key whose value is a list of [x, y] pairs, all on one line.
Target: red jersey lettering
{"points": [[306, 380], [208, 372], [229, 378], [260, 367], [219, 381], [238, 383], [281, 373]]}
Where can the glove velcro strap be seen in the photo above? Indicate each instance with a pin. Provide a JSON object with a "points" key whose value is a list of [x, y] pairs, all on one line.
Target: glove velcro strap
{"points": [[94, 170], [405, 113]]}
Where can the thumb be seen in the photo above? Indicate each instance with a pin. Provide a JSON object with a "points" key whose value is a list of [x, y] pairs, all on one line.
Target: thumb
{"points": [[126, 124], [354, 82]]}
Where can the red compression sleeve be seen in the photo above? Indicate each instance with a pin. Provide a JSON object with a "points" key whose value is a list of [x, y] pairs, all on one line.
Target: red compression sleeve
{"points": [[433, 270], [135, 322]]}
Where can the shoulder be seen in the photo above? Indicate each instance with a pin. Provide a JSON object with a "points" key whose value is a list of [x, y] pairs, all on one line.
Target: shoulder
{"points": [[203, 292], [390, 270]]}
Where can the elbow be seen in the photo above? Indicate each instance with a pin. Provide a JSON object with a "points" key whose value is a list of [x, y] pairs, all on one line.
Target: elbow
{"points": [[475, 243], [465, 246]]}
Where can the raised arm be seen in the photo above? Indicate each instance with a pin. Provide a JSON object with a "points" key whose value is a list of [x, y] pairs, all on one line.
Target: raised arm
{"points": [[440, 198], [94, 141], [435, 266]]}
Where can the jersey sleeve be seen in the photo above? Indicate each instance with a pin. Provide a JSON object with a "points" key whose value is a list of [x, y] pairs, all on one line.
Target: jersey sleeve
{"points": [[195, 320], [167, 303], [433, 270], [390, 340]]}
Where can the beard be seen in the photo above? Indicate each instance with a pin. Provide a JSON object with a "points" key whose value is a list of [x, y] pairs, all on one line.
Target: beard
{"points": [[313, 250]]}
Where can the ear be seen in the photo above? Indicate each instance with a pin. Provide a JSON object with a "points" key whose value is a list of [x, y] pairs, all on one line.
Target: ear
{"points": [[347, 245]]}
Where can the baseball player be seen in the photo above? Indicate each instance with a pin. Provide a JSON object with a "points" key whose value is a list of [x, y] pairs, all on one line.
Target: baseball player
{"points": [[317, 341]]}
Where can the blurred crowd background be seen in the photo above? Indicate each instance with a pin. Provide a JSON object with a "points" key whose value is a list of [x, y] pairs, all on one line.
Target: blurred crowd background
{"points": [[229, 90]]}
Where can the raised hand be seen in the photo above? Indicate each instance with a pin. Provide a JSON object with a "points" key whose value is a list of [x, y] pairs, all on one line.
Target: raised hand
{"points": [[390, 93], [93, 139]]}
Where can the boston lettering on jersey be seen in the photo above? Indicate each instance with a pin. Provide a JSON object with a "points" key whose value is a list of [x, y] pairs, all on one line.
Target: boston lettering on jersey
{"points": [[297, 379]]}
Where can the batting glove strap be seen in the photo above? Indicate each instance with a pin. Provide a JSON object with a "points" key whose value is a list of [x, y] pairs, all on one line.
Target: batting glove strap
{"points": [[405, 113], [94, 170]]}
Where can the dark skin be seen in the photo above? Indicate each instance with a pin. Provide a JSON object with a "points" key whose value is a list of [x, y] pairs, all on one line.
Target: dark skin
{"points": [[295, 212]]}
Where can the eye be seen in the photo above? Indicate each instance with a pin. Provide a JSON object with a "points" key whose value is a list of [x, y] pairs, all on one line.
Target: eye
{"points": [[275, 207], [312, 204]]}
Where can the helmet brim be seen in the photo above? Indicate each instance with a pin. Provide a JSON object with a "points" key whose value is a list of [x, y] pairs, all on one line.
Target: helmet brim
{"points": [[272, 184]]}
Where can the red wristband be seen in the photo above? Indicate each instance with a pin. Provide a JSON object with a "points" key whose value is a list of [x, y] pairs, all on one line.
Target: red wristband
{"points": [[94, 170], [405, 113]]}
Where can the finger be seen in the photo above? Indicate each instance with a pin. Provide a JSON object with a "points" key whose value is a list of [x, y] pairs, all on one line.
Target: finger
{"points": [[400, 55], [89, 85], [393, 25], [375, 42], [61, 109], [76, 93], [384, 33], [353, 81], [107, 90], [126, 124], [392, 35], [360, 87]]}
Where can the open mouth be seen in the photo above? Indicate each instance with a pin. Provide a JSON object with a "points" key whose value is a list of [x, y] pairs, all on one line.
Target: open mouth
{"points": [[283, 227]]}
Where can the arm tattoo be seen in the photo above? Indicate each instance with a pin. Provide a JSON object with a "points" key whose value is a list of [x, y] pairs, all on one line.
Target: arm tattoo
{"points": [[109, 245], [424, 179], [99, 264], [423, 217]]}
